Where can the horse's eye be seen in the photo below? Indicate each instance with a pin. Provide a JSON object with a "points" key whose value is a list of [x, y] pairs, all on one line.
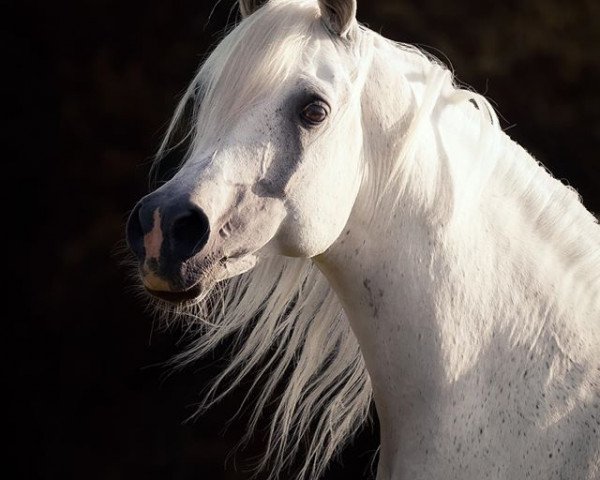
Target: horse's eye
{"points": [[314, 113]]}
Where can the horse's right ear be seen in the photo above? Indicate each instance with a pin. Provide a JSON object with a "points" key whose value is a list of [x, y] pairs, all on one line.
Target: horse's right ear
{"points": [[338, 15], [248, 7]]}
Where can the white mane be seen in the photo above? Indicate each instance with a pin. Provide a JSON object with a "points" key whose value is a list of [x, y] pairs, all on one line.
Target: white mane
{"points": [[287, 326]]}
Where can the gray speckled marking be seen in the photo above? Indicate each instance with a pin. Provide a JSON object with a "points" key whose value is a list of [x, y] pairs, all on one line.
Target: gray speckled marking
{"points": [[372, 301], [290, 148]]}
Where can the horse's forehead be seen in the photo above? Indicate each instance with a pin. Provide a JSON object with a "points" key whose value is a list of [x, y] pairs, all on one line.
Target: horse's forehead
{"points": [[326, 64]]}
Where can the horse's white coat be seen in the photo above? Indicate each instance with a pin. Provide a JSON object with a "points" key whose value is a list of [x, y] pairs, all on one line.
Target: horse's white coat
{"points": [[469, 276]]}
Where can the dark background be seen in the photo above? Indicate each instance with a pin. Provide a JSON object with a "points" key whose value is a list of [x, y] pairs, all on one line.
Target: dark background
{"points": [[94, 83]]}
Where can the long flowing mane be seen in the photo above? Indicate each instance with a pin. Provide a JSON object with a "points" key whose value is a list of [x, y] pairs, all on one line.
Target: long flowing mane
{"points": [[285, 323]]}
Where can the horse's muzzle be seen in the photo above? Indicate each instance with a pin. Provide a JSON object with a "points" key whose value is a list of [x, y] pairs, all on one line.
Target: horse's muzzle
{"points": [[165, 233]]}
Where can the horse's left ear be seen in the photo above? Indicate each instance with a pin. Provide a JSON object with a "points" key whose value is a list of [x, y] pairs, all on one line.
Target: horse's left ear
{"points": [[248, 7], [338, 15]]}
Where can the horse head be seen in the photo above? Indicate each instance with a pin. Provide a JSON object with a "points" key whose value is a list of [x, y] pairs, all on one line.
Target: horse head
{"points": [[274, 162]]}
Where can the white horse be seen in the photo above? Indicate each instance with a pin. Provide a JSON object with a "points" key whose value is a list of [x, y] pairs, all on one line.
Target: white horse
{"points": [[374, 234]]}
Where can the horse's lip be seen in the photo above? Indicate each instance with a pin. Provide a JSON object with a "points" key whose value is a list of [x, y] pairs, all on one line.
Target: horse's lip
{"points": [[239, 262], [178, 296]]}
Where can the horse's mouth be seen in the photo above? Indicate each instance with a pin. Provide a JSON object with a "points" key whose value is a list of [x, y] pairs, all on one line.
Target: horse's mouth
{"points": [[222, 270], [177, 297]]}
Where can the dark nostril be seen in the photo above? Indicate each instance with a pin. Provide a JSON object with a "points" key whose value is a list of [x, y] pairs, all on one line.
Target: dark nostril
{"points": [[189, 233], [134, 233]]}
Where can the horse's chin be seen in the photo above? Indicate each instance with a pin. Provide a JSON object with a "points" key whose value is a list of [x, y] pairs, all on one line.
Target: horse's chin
{"points": [[192, 294], [223, 270], [234, 266]]}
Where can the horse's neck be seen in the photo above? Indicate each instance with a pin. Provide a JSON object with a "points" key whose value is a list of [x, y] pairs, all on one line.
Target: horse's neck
{"points": [[440, 306]]}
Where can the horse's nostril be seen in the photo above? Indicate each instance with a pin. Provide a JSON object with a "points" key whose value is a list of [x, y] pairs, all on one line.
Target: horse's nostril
{"points": [[170, 231], [189, 233], [134, 233]]}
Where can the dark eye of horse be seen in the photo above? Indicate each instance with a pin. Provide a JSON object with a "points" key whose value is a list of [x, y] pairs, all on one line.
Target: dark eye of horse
{"points": [[314, 113]]}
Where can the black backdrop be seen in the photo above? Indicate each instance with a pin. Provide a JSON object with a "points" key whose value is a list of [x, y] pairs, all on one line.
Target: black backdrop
{"points": [[94, 82]]}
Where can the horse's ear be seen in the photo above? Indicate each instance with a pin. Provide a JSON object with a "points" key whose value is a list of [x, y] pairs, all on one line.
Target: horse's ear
{"points": [[338, 15], [248, 7]]}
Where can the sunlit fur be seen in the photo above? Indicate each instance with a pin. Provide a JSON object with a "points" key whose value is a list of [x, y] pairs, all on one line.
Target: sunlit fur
{"points": [[287, 325]]}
